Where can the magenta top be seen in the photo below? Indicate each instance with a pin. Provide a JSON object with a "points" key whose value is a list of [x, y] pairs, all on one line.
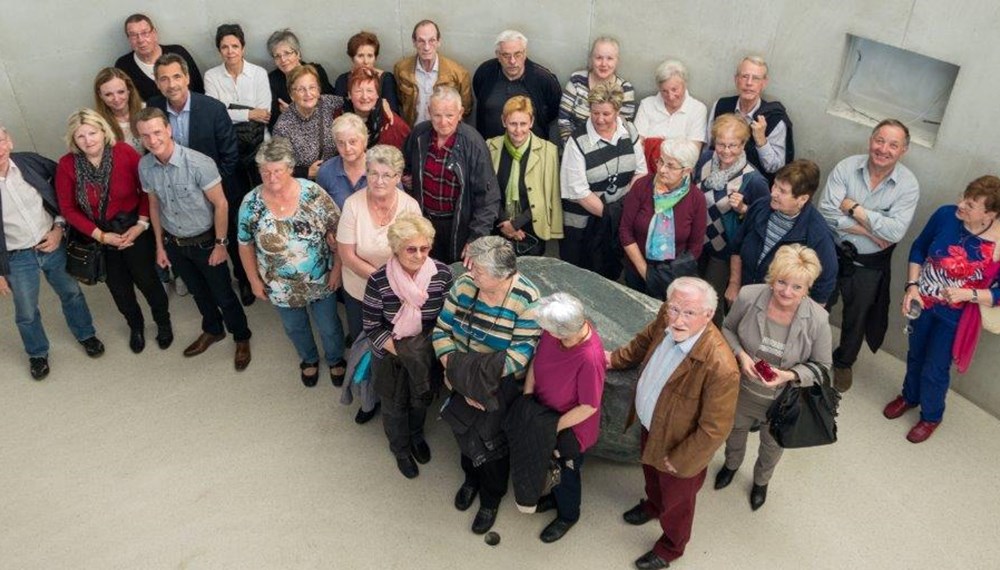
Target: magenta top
{"points": [[568, 377]]}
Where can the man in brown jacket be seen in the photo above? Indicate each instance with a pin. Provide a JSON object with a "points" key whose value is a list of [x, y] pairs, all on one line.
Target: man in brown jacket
{"points": [[685, 401], [419, 74]]}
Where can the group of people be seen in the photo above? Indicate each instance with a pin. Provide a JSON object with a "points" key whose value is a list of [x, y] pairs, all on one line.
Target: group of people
{"points": [[365, 192]]}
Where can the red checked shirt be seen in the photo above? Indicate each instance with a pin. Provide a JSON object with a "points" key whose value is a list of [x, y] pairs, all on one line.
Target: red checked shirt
{"points": [[440, 185]]}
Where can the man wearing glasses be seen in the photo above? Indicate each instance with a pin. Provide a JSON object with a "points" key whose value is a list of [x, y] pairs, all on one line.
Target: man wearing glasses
{"points": [[418, 75], [685, 401], [771, 145], [146, 49]]}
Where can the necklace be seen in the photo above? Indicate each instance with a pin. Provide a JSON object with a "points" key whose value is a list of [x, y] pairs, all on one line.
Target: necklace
{"points": [[383, 216]]}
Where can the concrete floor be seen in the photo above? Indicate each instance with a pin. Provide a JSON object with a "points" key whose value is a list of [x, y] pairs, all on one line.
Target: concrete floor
{"points": [[158, 461]]}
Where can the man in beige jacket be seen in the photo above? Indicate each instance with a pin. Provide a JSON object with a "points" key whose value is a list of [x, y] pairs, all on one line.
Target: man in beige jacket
{"points": [[419, 74]]}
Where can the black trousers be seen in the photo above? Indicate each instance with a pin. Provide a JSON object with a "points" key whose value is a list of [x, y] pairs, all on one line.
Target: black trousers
{"points": [[236, 188], [133, 267], [490, 478], [593, 248], [442, 246], [569, 492], [211, 288], [858, 293], [403, 413]]}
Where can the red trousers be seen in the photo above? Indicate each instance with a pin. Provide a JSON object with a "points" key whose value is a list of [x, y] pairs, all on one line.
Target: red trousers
{"points": [[670, 499]]}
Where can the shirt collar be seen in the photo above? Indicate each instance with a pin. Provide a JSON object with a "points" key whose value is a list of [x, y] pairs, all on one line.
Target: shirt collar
{"points": [[186, 109], [752, 111], [619, 132], [865, 172], [420, 68], [685, 345]]}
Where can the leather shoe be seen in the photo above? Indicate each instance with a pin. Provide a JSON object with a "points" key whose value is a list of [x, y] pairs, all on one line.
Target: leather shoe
{"points": [[407, 467], [484, 520], [242, 358], [923, 430], [137, 340], [545, 504], [309, 380], [758, 494], [637, 515], [843, 378], [164, 336], [556, 530], [337, 373], [363, 417], [39, 367], [93, 347], [246, 295], [464, 497], [200, 345], [421, 451], [650, 561], [896, 408], [724, 477]]}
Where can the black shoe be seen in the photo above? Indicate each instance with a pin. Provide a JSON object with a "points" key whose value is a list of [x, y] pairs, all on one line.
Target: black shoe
{"points": [[309, 380], [724, 477], [164, 336], [93, 347], [246, 295], [758, 494], [407, 467], [363, 417], [556, 530], [650, 561], [484, 520], [39, 366], [137, 340], [637, 515], [337, 373], [464, 497], [421, 451], [545, 504]]}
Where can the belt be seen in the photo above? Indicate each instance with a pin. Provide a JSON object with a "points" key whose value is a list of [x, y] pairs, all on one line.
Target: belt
{"points": [[200, 239], [439, 215]]}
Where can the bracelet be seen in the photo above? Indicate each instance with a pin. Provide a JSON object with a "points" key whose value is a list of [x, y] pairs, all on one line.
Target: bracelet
{"points": [[909, 284], [143, 223], [975, 295]]}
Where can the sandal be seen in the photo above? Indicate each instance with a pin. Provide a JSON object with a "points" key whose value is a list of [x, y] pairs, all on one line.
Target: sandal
{"points": [[337, 373], [309, 379]]}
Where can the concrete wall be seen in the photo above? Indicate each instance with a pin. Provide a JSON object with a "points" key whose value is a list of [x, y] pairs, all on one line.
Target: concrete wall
{"points": [[50, 51]]}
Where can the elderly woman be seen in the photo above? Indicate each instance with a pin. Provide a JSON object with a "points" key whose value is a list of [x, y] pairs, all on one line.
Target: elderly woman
{"points": [[363, 49], [574, 109], [283, 46], [672, 113], [116, 99], [345, 173], [600, 162], [663, 222], [730, 184], [285, 227], [788, 217], [527, 168], [364, 99], [567, 375], [774, 322], [485, 338], [306, 122], [99, 193], [402, 302], [953, 269]]}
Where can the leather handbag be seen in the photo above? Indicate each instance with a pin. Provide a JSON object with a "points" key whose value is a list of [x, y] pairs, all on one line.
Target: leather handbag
{"points": [[85, 260], [805, 416]]}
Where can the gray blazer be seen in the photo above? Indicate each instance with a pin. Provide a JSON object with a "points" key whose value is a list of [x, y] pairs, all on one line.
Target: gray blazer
{"points": [[809, 348]]}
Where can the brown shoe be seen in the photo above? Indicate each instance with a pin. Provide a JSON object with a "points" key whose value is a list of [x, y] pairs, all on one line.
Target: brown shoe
{"points": [[201, 345], [242, 359], [843, 378]]}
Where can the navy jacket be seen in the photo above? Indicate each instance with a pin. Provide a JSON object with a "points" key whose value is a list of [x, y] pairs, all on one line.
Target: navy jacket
{"points": [[37, 171], [210, 131]]}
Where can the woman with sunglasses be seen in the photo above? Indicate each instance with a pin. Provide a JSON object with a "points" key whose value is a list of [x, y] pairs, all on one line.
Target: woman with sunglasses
{"points": [[485, 337], [402, 302]]}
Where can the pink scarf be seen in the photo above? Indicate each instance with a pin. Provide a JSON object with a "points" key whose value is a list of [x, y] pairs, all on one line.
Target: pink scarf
{"points": [[970, 324], [412, 291]]}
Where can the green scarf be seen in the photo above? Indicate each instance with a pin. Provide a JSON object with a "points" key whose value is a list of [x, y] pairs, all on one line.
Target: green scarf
{"points": [[513, 191]]}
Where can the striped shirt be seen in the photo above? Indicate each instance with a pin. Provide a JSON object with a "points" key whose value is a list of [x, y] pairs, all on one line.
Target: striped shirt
{"points": [[467, 324], [441, 188], [381, 304], [778, 225], [574, 109]]}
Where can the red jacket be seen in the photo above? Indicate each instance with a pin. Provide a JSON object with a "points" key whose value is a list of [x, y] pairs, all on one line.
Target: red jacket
{"points": [[125, 190]]}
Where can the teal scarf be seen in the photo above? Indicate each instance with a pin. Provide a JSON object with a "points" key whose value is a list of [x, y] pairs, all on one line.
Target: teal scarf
{"points": [[661, 238], [513, 191]]}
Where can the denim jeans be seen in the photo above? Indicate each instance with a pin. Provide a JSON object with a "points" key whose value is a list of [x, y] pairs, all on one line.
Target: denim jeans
{"points": [[299, 330], [24, 282], [211, 288]]}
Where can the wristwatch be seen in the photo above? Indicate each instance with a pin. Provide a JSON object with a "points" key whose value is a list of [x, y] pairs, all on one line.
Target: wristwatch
{"points": [[222, 241], [850, 211]]}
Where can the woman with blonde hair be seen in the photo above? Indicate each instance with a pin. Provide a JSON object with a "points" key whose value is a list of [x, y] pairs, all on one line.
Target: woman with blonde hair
{"points": [[602, 69]]}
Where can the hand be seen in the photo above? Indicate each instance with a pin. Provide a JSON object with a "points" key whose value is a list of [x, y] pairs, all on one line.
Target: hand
{"points": [[130, 235], [259, 115], [4, 286], [282, 105], [314, 169], [846, 204], [781, 377], [444, 364], [956, 294], [161, 258], [447, 384], [643, 271], [333, 280], [388, 113], [474, 403], [759, 127], [669, 466], [731, 292], [51, 240], [259, 291], [507, 229], [607, 359], [881, 243], [912, 292], [466, 260], [736, 203], [112, 239], [218, 256], [390, 347], [747, 366]]}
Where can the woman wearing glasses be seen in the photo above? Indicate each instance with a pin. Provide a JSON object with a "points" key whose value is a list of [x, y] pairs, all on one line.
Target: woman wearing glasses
{"points": [[307, 121], [663, 222], [485, 337], [527, 170], [283, 46], [402, 302]]}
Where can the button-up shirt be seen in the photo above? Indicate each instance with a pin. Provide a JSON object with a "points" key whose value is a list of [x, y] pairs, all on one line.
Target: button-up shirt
{"points": [[425, 88], [661, 366], [180, 122], [179, 187], [687, 122], [25, 220]]}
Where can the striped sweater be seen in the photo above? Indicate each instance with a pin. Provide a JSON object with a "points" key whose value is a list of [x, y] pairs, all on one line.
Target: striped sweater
{"points": [[574, 109], [381, 304]]}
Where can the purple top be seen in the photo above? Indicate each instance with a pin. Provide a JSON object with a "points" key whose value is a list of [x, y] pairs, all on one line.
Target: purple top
{"points": [[568, 377]]}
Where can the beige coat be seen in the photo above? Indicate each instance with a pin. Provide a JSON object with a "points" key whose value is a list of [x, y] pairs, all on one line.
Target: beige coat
{"points": [[541, 176], [449, 73]]}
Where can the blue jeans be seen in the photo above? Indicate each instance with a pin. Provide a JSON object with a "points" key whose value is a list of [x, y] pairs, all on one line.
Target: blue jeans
{"points": [[24, 282], [354, 309], [327, 321], [928, 362]]}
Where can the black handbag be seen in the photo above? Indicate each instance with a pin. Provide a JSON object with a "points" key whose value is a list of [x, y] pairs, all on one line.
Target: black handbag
{"points": [[85, 259], [805, 416]]}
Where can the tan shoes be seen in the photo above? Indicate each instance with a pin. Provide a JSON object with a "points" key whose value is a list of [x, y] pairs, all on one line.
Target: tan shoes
{"points": [[202, 343]]}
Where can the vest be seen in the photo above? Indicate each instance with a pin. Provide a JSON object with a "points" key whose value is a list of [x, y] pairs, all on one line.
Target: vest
{"points": [[610, 168], [773, 112]]}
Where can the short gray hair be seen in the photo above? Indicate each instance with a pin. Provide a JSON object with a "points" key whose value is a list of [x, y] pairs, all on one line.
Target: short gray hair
{"points": [[511, 36], [349, 122], [495, 255], [285, 36], [682, 150], [278, 149], [560, 314], [445, 93], [754, 59], [695, 285], [671, 68], [386, 155]]}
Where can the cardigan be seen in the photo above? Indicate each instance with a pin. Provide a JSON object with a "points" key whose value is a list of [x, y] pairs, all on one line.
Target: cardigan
{"points": [[689, 218], [278, 82]]}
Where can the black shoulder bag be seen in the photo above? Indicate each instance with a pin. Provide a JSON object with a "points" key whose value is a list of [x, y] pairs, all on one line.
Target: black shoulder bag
{"points": [[805, 416]]}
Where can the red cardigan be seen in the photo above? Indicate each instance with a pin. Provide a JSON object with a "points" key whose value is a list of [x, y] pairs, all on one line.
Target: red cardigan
{"points": [[690, 217], [126, 193]]}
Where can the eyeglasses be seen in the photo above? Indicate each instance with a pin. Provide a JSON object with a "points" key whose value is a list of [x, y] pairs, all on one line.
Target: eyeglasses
{"points": [[140, 35], [412, 249], [727, 146], [378, 176], [660, 163], [511, 56], [306, 89], [284, 54], [466, 325], [688, 314], [750, 77]]}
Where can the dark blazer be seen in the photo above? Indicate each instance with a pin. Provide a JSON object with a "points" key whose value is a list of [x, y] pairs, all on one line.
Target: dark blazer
{"points": [[147, 87], [39, 172], [210, 131]]}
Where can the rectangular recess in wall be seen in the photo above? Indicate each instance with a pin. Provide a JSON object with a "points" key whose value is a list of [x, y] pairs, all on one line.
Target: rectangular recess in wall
{"points": [[880, 81]]}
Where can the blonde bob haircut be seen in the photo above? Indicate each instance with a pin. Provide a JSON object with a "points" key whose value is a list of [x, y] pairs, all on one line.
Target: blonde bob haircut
{"points": [[730, 123], [518, 104], [604, 93], [406, 228], [349, 123], [794, 261], [386, 155], [92, 118]]}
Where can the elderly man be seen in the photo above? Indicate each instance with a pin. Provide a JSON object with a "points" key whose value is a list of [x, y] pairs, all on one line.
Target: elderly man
{"points": [[31, 243], [188, 212], [771, 145], [146, 49], [685, 401], [418, 75], [869, 201], [510, 74], [453, 178]]}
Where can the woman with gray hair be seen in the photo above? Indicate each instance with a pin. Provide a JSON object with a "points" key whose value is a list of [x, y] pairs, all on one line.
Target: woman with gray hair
{"points": [[283, 45], [663, 222], [567, 375], [345, 173], [485, 337], [673, 112], [602, 67], [285, 231]]}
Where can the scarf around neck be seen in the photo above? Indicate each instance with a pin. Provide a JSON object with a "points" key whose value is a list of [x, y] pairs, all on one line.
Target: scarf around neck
{"points": [[373, 122], [99, 176], [513, 191], [661, 238], [718, 178], [412, 293]]}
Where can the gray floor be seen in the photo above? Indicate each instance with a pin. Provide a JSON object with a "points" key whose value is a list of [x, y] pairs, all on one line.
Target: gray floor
{"points": [[157, 461]]}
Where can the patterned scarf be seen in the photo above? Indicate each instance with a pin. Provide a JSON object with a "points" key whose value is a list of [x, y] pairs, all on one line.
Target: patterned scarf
{"points": [[719, 177], [99, 176], [513, 202], [662, 235], [373, 122], [723, 222]]}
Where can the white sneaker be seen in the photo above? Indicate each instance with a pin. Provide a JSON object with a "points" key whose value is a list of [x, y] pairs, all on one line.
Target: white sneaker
{"points": [[180, 287]]}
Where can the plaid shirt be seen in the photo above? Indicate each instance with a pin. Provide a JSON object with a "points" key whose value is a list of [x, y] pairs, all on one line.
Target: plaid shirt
{"points": [[440, 185]]}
